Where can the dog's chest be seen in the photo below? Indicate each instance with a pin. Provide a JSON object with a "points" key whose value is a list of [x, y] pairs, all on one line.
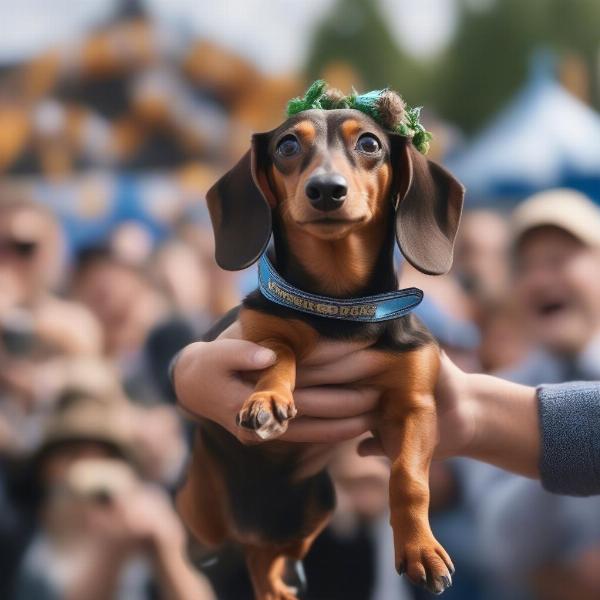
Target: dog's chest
{"points": [[402, 334]]}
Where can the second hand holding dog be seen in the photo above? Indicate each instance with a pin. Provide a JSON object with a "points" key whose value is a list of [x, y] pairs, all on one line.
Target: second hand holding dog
{"points": [[479, 416], [326, 414]]}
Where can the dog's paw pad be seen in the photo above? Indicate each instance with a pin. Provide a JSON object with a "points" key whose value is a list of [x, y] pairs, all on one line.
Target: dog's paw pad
{"points": [[267, 414]]}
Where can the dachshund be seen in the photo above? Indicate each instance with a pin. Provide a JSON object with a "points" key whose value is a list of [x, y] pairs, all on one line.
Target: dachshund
{"points": [[335, 188]]}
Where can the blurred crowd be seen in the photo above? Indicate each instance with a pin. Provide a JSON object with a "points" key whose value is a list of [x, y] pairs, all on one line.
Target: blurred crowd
{"points": [[103, 279]]}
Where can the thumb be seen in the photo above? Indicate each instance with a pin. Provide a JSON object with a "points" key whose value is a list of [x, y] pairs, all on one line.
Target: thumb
{"points": [[241, 355]]}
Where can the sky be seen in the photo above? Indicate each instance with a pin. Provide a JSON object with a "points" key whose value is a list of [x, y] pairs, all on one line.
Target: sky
{"points": [[274, 34]]}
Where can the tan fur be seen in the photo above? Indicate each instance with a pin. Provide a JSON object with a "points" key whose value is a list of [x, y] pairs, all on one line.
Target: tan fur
{"points": [[340, 261], [406, 428], [199, 500], [339, 265], [305, 130]]}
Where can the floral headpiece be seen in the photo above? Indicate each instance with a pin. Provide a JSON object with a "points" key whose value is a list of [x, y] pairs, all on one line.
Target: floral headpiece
{"points": [[385, 106]]}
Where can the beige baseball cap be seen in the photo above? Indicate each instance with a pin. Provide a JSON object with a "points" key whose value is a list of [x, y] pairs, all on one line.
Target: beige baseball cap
{"points": [[564, 208]]}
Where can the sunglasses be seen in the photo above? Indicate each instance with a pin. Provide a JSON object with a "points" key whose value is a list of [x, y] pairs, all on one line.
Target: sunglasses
{"points": [[20, 248]]}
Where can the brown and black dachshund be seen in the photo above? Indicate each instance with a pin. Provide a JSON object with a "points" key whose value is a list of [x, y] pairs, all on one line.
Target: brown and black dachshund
{"points": [[335, 189]]}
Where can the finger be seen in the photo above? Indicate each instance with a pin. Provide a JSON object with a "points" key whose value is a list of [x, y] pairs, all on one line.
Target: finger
{"points": [[240, 355], [335, 402], [329, 351], [370, 447], [353, 367], [317, 431], [235, 392]]}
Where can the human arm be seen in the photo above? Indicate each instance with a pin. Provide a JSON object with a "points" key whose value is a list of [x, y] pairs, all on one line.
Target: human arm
{"points": [[212, 380], [548, 432], [537, 433], [343, 412], [488, 419]]}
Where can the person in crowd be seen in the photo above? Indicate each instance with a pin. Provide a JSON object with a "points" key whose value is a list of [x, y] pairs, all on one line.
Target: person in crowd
{"points": [[160, 437], [123, 298], [183, 274], [104, 530], [128, 304], [556, 260], [504, 341], [482, 267], [481, 256], [37, 326], [131, 243], [40, 334], [226, 288], [30, 269]]}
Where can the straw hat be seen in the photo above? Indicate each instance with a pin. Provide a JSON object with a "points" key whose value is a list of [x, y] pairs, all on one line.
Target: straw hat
{"points": [[89, 420]]}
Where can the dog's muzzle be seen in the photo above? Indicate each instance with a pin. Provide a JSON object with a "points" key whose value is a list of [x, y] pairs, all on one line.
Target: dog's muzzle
{"points": [[327, 191]]}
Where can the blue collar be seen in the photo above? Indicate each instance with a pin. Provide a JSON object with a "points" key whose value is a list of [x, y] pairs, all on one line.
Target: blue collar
{"points": [[368, 309]]}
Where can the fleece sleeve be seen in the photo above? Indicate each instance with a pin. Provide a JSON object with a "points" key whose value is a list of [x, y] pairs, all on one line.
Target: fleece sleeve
{"points": [[570, 437]]}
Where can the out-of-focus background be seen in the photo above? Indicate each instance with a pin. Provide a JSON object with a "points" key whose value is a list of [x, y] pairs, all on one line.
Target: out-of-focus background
{"points": [[115, 118]]}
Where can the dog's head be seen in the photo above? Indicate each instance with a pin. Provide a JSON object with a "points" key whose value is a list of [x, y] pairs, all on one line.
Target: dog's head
{"points": [[331, 173]]}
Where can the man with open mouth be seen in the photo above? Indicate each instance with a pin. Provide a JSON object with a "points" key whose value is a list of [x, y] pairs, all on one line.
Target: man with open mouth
{"points": [[532, 540]]}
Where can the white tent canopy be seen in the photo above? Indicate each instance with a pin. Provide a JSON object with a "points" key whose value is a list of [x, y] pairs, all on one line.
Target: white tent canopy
{"points": [[543, 133]]}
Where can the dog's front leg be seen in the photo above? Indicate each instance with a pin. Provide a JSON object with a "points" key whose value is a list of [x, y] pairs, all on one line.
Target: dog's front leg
{"points": [[408, 433], [268, 410]]}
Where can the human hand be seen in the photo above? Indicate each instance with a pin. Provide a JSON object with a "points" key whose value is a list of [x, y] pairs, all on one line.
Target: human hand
{"points": [[213, 379], [325, 413], [478, 416], [457, 408], [139, 516]]}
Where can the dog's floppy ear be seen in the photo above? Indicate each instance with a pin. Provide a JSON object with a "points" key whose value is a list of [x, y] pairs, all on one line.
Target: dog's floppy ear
{"points": [[429, 203], [240, 208]]}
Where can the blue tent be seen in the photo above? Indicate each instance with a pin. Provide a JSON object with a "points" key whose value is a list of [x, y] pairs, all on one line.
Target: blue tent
{"points": [[545, 137]]}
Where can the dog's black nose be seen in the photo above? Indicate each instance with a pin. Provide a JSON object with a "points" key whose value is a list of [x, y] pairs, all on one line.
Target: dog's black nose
{"points": [[327, 191]]}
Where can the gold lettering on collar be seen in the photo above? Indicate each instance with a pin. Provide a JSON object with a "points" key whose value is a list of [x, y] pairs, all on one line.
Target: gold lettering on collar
{"points": [[358, 310]]}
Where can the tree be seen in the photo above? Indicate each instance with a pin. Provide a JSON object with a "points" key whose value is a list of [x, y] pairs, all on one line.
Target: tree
{"points": [[485, 64], [356, 33], [490, 55]]}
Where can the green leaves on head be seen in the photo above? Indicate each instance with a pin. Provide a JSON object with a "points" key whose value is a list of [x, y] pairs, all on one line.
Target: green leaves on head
{"points": [[385, 106]]}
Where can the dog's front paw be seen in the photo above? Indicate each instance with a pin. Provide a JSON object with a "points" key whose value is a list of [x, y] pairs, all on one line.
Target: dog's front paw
{"points": [[425, 563], [267, 413]]}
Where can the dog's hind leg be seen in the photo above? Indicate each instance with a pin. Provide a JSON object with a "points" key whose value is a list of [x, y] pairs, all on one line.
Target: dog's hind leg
{"points": [[268, 564], [408, 433]]}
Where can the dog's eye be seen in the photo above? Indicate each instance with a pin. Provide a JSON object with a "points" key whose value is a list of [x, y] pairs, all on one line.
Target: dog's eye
{"points": [[288, 146], [368, 144]]}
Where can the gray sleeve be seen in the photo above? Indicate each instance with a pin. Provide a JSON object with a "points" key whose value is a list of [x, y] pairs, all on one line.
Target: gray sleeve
{"points": [[570, 437]]}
